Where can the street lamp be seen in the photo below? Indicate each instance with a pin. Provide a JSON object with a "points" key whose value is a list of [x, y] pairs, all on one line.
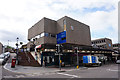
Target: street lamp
{"points": [[17, 50], [58, 50], [76, 51]]}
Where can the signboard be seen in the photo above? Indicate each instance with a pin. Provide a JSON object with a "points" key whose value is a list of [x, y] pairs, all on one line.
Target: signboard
{"points": [[85, 59], [61, 37], [93, 59], [89, 59]]}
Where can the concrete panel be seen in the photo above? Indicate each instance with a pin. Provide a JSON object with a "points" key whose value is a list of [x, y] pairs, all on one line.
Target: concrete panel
{"points": [[36, 29], [60, 27], [39, 41], [49, 40], [50, 26], [79, 35]]}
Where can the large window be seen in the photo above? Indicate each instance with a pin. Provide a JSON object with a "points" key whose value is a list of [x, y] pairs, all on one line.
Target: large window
{"points": [[64, 24], [47, 34], [42, 34]]}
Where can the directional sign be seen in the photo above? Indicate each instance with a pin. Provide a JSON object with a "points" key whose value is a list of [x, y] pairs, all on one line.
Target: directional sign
{"points": [[61, 37]]}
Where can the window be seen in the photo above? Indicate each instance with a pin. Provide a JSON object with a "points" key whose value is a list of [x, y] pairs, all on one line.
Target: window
{"points": [[42, 34], [53, 35], [104, 40], [46, 34], [37, 36], [64, 24]]}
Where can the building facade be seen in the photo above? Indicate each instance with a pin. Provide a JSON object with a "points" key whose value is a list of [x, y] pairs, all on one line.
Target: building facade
{"points": [[68, 32], [65, 31], [103, 43], [1, 48], [116, 47], [46, 30]]}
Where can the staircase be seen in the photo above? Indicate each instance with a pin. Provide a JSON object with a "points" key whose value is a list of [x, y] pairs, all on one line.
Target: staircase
{"points": [[38, 55], [26, 59]]}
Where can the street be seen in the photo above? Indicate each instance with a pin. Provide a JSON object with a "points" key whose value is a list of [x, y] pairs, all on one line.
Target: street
{"points": [[8, 74], [105, 71]]}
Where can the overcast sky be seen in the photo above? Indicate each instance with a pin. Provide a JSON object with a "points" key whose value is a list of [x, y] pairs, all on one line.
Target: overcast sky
{"points": [[17, 16]]}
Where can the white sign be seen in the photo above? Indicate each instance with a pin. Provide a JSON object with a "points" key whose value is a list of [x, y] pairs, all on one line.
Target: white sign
{"points": [[72, 28]]}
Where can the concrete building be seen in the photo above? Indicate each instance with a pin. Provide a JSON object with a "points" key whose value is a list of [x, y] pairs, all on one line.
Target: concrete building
{"points": [[46, 33], [43, 32], [103, 43], [116, 47], [66, 31], [46, 30], [1, 48]]}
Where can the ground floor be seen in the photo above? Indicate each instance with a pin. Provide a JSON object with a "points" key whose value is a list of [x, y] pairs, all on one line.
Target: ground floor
{"points": [[70, 58], [47, 54]]}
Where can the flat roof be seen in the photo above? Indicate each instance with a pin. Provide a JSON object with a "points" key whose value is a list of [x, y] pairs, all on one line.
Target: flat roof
{"points": [[101, 39]]}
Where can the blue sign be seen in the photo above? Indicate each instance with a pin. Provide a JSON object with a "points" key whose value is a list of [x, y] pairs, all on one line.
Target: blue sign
{"points": [[93, 59], [85, 59], [61, 37]]}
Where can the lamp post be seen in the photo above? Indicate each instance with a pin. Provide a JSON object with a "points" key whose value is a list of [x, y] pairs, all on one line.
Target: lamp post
{"points": [[58, 51], [17, 50], [76, 51]]}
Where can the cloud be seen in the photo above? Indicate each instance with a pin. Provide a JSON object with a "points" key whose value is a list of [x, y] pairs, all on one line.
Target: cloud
{"points": [[17, 16], [11, 36]]}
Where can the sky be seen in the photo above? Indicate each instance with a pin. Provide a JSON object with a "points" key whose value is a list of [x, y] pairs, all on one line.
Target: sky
{"points": [[17, 16]]}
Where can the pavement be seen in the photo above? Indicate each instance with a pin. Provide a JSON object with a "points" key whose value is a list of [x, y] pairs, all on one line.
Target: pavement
{"points": [[0, 72], [38, 70]]}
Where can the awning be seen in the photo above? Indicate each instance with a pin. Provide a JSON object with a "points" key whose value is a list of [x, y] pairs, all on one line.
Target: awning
{"points": [[38, 46]]}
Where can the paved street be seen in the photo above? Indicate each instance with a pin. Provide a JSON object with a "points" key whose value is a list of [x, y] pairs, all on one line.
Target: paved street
{"points": [[105, 71], [9, 74]]}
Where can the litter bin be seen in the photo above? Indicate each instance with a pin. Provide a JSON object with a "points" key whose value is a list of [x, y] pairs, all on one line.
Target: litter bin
{"points": [[13, 63]]}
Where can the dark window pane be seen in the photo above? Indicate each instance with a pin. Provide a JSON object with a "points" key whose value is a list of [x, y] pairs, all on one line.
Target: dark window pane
{"points": [[52, 35]]}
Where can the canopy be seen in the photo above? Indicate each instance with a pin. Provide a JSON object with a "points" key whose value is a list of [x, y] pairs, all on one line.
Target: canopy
{"points": [[38, 46]]}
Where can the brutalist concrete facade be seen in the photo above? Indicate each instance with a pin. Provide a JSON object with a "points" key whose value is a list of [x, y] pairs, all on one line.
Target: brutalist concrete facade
{"points": [[103, 43], [1, 48], [116, 47], [76, 32], [45, 25]]}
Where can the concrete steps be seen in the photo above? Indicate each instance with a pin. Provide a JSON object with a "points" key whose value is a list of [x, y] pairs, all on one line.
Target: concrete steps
{"points": [[26, 59]]}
